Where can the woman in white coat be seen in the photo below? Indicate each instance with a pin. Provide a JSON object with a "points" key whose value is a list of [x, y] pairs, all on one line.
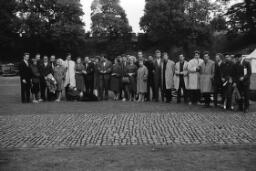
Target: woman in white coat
{"points": [[70, 80]]}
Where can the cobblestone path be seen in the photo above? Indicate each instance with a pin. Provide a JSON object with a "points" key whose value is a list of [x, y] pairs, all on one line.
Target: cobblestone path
{"points": [[73, 130]]}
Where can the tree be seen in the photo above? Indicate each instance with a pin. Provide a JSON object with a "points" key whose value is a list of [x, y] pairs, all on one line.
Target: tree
{"points": [[242, 17], [109, 23], [109, 18], [7, 21], [218, 23], [177, 22], [54, 25]]}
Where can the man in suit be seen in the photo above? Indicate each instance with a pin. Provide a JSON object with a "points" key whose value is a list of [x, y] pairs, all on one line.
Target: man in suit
{"points": [[25, 78], [218, 88], [242, 74], [44, 69], [89, 75], [105, 69], [149, 63], [181, 78], [157, 74]]}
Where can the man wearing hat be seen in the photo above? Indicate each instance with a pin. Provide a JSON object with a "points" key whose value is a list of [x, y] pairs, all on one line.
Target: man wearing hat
{"points": [[193, 75], [242, 74], [25, 78]]}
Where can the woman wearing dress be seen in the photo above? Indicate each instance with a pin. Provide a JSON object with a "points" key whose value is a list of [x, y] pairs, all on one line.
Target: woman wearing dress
{"points": [[116, 78], [142, 76], [132, 73], [79, 68], [59, 75]]}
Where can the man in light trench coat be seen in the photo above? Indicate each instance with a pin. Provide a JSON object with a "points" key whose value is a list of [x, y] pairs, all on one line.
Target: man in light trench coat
{"points": [[206, 78]]}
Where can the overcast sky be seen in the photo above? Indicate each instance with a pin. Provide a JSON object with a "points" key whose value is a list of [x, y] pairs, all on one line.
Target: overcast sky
{"points": [[133, 8]]}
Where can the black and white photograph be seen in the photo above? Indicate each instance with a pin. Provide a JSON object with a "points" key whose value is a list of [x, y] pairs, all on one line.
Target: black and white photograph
{"points": [[128, 85]]}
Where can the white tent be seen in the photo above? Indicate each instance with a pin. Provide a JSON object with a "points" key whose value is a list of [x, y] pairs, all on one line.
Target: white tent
{"points": [[252, 55], [252, 59]]}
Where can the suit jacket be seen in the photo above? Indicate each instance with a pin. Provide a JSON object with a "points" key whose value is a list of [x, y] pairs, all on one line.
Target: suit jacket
{"points": [[157, 72], [219, 69], [45, 69], [242, 70], [25, 71], [177, 76], [105, 69], [89, 68]]}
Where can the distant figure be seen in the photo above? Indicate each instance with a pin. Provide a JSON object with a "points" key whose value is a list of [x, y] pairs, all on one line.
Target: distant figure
{"points": [[115, 84], [25, 78], [70, 72], [80, 70], [142, 76], [45, 69], [59, 75], [132, 74], [242, 74], [193, 75], [89, 75], [206, 78], [167, 74], [218, 82], [35, 80], [157, 74], [105, 69], [181, 78], [149, 63]]}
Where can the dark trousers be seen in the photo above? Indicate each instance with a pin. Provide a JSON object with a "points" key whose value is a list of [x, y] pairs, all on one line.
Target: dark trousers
{"points": [[244, 92], [218, 90], [157, 87], [89, 84], [167, 93], [104, 86], [194, 96], [207, 98], [228, 90], [183, 88], [35, 89], [25, 92], [42, 88], [150, 85]]}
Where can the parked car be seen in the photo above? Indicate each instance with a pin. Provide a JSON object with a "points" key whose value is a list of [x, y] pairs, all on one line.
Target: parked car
{"points": [[9, 69]]}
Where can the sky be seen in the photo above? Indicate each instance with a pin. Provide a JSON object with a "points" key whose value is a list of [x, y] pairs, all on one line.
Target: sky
{"points": [[134, 10]]}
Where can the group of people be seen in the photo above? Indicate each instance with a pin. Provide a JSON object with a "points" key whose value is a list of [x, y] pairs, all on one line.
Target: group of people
{"points": [[140, 78]]}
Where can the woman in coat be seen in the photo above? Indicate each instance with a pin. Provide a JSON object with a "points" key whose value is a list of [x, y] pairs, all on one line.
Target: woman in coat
{"points": [[115, 83], [79, 75], [132, 72], [59, 75], [142, 76]]}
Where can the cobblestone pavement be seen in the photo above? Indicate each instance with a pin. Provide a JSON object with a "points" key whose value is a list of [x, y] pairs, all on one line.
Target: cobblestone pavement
{"points": [[73, 130]]}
